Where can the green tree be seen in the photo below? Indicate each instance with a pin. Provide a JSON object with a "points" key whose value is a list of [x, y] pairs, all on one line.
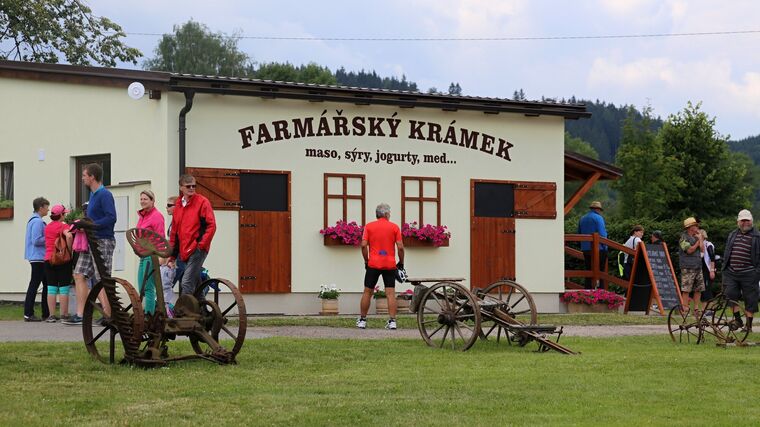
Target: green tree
{"points": [[714, 182], [580, 146], [287, 72], [194, 49], [600, 191], [650, 183], [455, 89], [46, 30]]}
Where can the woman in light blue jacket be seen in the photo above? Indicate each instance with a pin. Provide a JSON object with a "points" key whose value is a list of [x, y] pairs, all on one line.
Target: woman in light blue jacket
{"points": [[34, 252]]}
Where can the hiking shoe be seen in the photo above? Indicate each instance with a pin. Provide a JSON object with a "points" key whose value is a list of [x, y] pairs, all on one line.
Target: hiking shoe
{"points": [[74, 320], [361, 323], [32, 318], [51, 319], [735, 324], [391, 324]]}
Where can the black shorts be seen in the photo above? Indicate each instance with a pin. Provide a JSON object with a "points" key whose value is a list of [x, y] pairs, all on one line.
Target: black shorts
{"points": [[372, 274], [58, 275]]}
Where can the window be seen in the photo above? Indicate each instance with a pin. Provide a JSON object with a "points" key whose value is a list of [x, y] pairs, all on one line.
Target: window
{"points": [[421, 200], [83, 193], [344, 198], [6, 181]]}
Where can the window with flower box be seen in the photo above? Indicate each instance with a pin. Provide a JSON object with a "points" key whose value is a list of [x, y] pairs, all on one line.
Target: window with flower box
{"points": [[420, 204], [344, 201], [6, 190]]}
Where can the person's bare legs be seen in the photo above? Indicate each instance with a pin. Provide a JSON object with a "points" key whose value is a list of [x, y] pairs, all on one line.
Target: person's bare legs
{"points": [[390, 293], [366, 299], [80, 286], [103, 298], [64, 306], [51, 304]]}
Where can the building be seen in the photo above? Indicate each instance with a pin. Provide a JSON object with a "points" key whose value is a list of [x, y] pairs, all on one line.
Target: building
{"points": [[280, 161]]}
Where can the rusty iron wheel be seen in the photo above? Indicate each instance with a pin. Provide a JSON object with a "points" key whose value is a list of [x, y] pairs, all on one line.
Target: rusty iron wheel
{"points": [[126, 322], [224, 318], [447, 317], [510, 299], [725, 329], [684, 327]]}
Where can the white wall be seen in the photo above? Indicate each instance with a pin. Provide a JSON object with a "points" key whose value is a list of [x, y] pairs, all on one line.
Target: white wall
{"points": [[68, 120], [537, 155]]}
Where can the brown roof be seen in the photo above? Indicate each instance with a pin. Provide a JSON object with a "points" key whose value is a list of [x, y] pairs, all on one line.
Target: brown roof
{"points": [[579, 167], [274, 89]]}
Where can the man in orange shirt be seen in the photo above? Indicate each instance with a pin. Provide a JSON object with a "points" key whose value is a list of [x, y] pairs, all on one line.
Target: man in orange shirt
{"points": [[379, 243]]}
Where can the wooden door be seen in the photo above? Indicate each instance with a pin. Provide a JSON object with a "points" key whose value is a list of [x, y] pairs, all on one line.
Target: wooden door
{"points": [[492, 232], [264, 256]]}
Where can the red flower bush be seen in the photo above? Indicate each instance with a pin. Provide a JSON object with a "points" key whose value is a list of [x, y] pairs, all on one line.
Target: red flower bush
{"points": [[350, 233], [432, 233], [591, 297]]}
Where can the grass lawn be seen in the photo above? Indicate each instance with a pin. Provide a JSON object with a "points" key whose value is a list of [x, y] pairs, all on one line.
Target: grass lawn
{"points": [[282, 381]]}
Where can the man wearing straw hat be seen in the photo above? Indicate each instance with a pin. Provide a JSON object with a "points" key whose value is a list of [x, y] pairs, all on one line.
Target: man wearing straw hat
{"points": [[691, 247], [593, 222]]}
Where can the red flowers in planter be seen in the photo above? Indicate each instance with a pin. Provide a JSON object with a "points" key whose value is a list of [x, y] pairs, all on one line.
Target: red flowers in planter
{"points": [[437, 234], [591, 297], [349, 233]]}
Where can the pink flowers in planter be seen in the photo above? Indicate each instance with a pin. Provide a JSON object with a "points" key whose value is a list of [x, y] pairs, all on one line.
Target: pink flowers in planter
{"points": [[591, 297], [349, 233], [437, 234]]}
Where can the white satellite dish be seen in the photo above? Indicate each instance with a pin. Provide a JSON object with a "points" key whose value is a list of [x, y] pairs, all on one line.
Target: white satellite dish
{"points": [[136, 90]]}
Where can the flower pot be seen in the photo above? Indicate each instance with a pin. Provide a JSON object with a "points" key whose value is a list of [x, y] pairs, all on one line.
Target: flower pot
{"points": [[403, 305], [381, 305], [329, 307], [411, 242], [6, 213], [585, 308], [329, 241]]}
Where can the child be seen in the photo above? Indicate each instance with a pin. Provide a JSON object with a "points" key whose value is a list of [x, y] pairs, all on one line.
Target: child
{"points": [[58, 277]]}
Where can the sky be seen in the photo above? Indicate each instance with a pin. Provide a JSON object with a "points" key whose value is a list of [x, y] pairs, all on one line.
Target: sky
{"points": [[721, 71]]}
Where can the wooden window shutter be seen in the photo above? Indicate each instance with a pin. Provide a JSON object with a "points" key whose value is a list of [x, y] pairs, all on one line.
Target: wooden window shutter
{"points": [[536, 200], [220, 186]]}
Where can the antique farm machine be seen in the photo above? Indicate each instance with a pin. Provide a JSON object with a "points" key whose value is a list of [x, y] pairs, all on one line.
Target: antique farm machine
{"points": [[451, 316], [205, 318]]}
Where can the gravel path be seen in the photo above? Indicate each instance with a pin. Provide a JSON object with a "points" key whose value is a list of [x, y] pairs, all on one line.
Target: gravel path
{"points": [[11, 331]]}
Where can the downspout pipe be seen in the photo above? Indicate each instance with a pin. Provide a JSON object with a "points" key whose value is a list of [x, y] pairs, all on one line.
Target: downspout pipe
{"points": [[189, 95]]}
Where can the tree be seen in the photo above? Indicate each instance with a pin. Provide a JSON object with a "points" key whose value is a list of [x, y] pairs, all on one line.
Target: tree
{"points": [[455, 89], [194, 49], [519, 95], [715, 182], [45, 30], [287, 72], [650, 183]]}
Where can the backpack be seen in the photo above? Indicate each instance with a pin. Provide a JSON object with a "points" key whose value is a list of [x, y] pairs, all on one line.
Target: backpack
{"points": [[61, 252]]}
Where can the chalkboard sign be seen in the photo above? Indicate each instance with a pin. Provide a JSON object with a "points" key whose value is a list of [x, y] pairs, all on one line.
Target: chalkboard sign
{"points": [[662, 270], [652, 278]]}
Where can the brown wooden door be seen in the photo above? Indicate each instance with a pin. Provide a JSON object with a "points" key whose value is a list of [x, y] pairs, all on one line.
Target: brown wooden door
{"points": [[492, 232], [264, 256]]}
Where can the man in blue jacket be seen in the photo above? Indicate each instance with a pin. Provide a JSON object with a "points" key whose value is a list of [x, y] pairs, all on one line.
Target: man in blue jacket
{"points": [[34, 252], [101, 209], [593, 222]]}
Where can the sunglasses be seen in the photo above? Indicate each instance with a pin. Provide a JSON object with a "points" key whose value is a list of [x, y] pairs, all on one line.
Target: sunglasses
{"points": [[189, 186]]}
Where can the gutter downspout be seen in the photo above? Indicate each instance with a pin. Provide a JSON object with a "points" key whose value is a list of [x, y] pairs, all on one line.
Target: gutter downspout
{"points": [[189, 95]]}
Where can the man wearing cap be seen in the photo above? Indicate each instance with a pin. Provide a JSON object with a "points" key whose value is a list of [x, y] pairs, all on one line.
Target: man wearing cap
{"points": [[593, 222], [741, 268], [691, 247]]}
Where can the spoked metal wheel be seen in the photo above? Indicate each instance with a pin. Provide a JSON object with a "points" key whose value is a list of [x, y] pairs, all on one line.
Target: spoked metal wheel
{"points": [[448, 317], [224, 316], [725, 329], [684, 327], [503, 302], [126, 322]]}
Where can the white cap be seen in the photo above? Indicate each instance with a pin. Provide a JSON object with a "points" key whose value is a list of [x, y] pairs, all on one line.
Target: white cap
{"points": [[744, 214]]}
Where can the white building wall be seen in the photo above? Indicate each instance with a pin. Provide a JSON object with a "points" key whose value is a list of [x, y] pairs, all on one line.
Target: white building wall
{"points": [[68, 120]]}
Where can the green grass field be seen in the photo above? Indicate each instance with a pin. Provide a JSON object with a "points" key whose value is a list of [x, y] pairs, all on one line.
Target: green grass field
{"points": [[282, 381]]}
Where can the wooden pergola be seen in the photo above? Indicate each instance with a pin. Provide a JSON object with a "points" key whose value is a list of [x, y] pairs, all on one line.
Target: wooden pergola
{"points": [[581, 168]]}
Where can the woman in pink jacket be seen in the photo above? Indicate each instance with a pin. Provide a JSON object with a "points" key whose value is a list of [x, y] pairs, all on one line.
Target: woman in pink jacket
{"points": [[153, 220]]}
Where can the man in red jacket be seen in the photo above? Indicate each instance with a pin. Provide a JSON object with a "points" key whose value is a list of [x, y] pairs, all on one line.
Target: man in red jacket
{"points": [[193, 227]]}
